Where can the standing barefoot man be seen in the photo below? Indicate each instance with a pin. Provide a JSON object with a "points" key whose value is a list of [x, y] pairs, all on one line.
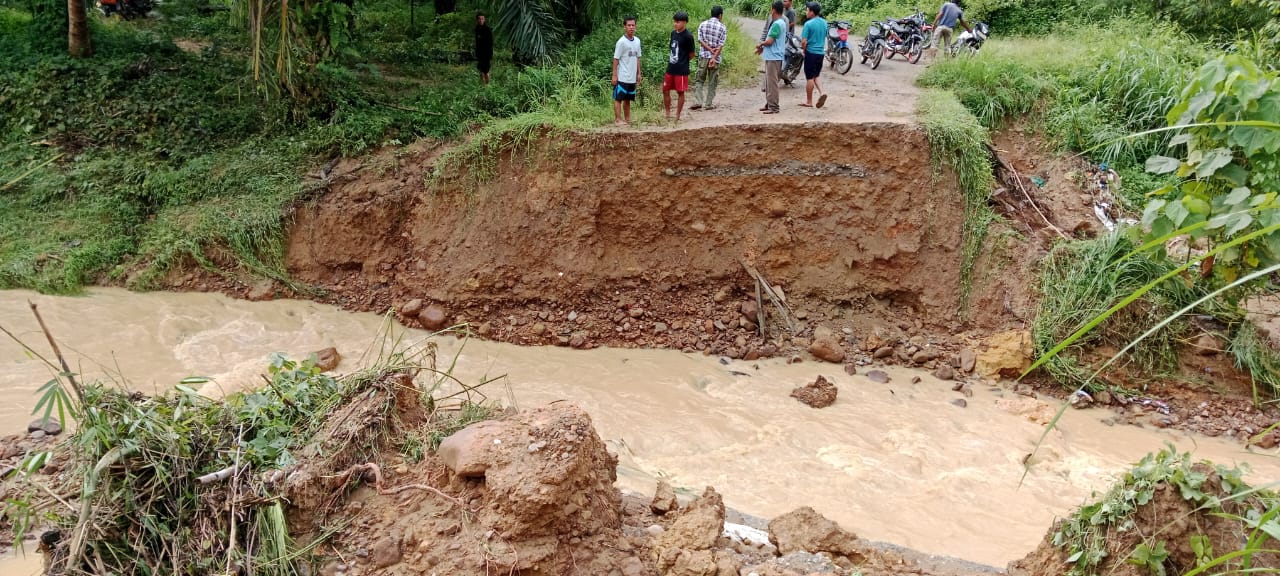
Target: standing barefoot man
{"points": [[813, 37], [677, 76], [626, 71]]}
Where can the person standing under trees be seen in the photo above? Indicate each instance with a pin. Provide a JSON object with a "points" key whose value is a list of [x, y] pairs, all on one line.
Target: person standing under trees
{"points": [[484, 47], [772, 51], [711, 38], [944, 24], [813, 38], [626, 71], [677, 77]]}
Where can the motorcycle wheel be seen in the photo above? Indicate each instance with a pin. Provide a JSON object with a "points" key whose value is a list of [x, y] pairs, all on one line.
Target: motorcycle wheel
{"points": [[879, 55], [891, 53], [844, 60], [914, 52], [790, 72], [865, 55]]}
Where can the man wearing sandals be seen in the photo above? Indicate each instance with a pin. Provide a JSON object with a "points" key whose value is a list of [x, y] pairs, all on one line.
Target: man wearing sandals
{"points": [[772, 50], [711, 38], [813, 37]]}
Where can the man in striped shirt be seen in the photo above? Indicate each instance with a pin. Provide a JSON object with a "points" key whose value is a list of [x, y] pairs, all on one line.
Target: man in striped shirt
{"points": [[711, 38]]}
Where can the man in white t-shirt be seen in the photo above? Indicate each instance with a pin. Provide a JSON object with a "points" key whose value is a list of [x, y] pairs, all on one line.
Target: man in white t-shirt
{"points": [[626, 71]]}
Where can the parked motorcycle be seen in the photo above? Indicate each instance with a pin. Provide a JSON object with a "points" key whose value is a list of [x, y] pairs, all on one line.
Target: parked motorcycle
{"points": [[127, 9], [839, 56], [970, 42], [923, 25], [873, 45], [793, 61], [905, 39]]}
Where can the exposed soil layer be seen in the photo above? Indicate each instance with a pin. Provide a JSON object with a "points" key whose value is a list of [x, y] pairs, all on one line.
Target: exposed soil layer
{"points": [[641, 239]]}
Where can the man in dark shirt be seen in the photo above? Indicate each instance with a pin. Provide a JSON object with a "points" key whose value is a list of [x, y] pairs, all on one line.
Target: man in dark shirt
{"points": [[677, 76], [484, 47]]}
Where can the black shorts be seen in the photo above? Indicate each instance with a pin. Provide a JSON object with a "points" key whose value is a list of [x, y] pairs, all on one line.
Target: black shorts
{"points": [[483, 65], [812, 65], [624, 92]]}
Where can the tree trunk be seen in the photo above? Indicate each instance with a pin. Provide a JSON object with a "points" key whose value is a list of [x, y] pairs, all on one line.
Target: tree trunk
{"points": [[445, 6], [78, 30]]}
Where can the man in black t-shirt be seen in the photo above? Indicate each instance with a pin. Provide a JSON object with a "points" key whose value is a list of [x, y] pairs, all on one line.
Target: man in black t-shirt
{"points": [[677, 76], [484, 47]]}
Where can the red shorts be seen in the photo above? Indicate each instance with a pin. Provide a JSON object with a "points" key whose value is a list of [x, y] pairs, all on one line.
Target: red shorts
{"points": [[677, 83]]}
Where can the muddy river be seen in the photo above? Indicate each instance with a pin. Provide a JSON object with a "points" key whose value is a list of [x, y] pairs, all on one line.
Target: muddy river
{"points": [[893, 462]]}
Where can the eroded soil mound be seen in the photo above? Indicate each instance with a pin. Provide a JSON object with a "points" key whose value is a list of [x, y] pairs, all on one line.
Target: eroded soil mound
{"points": [[1146, 526]]}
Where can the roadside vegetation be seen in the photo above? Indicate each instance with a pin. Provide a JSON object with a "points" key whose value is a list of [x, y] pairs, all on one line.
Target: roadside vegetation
{"points": [[1094, 86], [170, 146]]}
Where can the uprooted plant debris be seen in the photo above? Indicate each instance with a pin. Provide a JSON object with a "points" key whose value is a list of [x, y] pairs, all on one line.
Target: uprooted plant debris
{"points": [[180, 484]]}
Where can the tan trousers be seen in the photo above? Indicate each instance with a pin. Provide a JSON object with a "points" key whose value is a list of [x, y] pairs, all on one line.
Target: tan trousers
{"points": [[772, 75]]}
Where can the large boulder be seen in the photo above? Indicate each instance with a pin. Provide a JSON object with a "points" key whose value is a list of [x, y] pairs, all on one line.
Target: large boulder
{"points": [[1007, 354], [805, 530]]}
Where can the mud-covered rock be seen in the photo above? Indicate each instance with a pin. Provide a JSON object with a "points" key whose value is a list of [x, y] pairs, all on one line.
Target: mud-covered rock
{"points": [[664, 499], [432, 317], [327, 359], [1007, 354], [878, 376], [466, 451], [805, 530], [820, 394], [49, 426], [685, 549], [827, 349], [386, 552], [411, 308], [968, 359]]}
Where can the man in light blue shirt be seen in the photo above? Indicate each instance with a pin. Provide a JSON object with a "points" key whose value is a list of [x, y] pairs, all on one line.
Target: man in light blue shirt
{"points": [[772, 50], [813, 37]]}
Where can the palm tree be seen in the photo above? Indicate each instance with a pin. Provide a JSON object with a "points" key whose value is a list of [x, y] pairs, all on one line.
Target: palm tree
{"points": [[537, 29], [78, 44]]}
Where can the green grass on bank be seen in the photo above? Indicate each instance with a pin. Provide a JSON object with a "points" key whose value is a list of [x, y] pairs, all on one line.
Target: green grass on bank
{"points": [[958, 141], [161, 153], [1084, 86]]}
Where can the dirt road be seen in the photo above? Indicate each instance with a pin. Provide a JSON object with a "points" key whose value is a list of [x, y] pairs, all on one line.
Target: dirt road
{"points": [[887, 94]]}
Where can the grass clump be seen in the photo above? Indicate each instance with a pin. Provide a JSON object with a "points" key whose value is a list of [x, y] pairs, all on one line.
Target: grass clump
{"points": [[1258, 358], [960, 142], [1080, 280]]}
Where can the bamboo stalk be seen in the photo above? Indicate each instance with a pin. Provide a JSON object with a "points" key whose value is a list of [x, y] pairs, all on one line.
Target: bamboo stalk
{"points": [[66, 370]]}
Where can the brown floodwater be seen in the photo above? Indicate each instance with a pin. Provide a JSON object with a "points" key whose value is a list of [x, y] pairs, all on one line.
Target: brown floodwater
{"points": [[893, 462]]}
